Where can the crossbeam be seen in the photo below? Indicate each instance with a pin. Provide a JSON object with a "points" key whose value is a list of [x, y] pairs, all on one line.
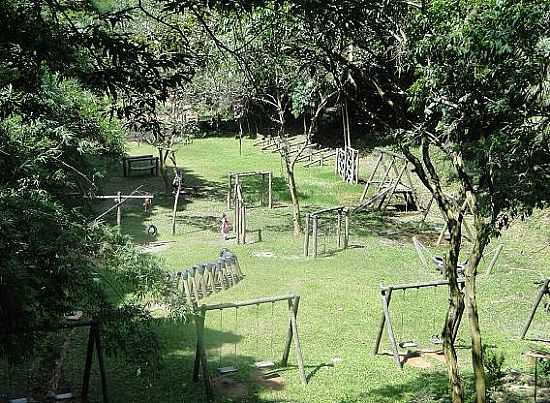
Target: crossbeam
{"points": [[239, 304], [434, 283]]}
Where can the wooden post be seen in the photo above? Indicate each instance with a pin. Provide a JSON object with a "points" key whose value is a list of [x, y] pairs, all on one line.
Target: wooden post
{"points": [[185, 280], [176, 198], [315, 233], [270, 189], [389, 327], [306, 236], [339, 229], [293, 311], [542, 291], [229, 178], [382, 323], [118, 211], [200, 356], [88, 365], [346, 229], [494, 260], [101, 363], [244, 223]]}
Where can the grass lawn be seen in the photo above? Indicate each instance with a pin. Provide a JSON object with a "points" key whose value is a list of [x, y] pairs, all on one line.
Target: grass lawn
{"points": [[340, 300]]}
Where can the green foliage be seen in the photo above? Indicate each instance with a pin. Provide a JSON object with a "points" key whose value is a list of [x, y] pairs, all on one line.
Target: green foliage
{"points": [[493, 363]]}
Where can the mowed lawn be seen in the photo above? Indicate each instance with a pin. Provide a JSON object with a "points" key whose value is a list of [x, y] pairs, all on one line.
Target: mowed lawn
{"points": [[340, 305]]}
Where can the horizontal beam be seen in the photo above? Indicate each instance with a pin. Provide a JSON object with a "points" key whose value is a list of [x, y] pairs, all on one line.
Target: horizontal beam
{"points": [[382, 151], [327, 210], [426, 284], [121, 196], [249, 173], [257, 301]]}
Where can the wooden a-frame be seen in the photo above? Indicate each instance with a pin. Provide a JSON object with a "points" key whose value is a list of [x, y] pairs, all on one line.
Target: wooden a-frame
{"points": [[395, 180]]}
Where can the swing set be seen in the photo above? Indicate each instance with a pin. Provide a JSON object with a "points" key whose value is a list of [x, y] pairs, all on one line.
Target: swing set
{"points": [[544, 290], [426, 256], [387, 324], [201, 361]]}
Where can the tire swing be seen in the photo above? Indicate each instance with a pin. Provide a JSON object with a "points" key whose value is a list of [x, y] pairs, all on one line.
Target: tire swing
{"points": [[151, 232]]}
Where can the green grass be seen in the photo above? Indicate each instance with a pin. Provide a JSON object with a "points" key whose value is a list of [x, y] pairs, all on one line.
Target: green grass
{"points": [[340, 305]]}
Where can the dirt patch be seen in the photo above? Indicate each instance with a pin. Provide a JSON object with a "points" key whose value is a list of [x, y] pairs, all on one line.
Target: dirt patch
{"points": [[417, 361], [270, 380], [229, 387]]}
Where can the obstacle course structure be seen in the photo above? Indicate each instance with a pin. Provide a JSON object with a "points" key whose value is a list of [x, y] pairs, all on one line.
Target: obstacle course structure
{"points": [[312, 234], [347, 164], [386, 321], [391, 179], [311, 154], [203, 279], [201, 361], [251, 183]]}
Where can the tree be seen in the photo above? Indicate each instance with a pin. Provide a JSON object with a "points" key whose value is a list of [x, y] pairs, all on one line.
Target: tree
{"points": [[481, 98]]}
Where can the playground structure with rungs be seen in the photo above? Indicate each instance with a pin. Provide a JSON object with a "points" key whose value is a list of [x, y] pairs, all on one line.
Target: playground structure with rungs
{"points": [[339, 216], [310, 154], [203, 279], [390, 179]]}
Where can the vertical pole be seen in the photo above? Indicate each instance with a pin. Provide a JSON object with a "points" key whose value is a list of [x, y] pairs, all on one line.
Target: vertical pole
{"points": [[88, 365], [99, 350], [229, 179], [346, 229], [315, 233], [244, 223], [306, 236], [270, 189], [339, 229], [176, 198], [494, 260], [118, 212], [293, 304]]}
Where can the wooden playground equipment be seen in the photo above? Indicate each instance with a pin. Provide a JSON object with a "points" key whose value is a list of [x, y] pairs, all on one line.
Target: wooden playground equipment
{"points": [[201, 361], [266, 190], [61, 389], [141, 163], [239, 215], [426, 257], [395, 181], [340, 214], [386, 321], [204, 279], [544, 290], [312, 154], [119, 200], [347, 164]]}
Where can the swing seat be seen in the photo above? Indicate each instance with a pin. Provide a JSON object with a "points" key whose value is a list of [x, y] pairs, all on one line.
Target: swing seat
{"points": [[227, 370], [408, 344], [264, 364], [436, 340]]}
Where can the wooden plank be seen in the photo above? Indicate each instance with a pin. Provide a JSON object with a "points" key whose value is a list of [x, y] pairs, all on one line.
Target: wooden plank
{"points": [[239, 304]]}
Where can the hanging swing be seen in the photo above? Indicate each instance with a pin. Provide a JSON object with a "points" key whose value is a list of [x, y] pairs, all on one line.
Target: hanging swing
{"points": [[405, 343], [234, 368], [268, 364]]}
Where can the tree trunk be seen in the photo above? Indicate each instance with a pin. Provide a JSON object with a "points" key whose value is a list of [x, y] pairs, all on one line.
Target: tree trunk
{"points": [[164, 171], [473, 319], [454, 312], [296, 219]]}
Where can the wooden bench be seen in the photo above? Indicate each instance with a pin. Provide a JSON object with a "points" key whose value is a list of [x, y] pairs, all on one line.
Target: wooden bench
{"points": [[141, 163]]}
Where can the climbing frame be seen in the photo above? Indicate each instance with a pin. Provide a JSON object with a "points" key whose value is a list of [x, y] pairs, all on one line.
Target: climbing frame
{"points": [[340, 214], [266, 190], [347, 164], [390, 178]]}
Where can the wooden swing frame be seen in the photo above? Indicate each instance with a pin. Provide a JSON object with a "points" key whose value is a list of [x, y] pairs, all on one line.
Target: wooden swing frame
{"points": [[312, 221], [544, 289], [94, 343], [201, 361], [386, 322], [390, 184]]}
